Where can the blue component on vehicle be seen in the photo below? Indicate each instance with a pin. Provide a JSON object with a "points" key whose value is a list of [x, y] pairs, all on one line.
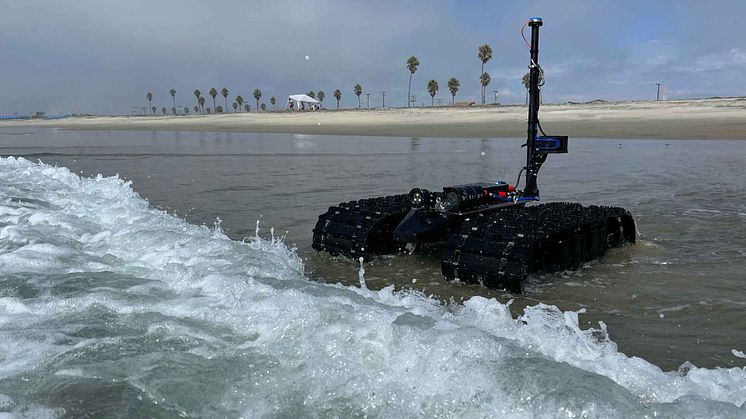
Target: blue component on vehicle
{"points": [[551, 144]]}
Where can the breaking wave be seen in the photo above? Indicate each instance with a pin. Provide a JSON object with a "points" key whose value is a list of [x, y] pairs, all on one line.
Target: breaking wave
{"points": [[109, 306]]}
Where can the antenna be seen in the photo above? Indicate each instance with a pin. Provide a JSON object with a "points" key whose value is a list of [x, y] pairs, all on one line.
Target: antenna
{"points": [[533, 162]]}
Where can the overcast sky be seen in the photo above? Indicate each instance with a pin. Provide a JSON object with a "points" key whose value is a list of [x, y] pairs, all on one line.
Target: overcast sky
{"points": [[102, 56]]}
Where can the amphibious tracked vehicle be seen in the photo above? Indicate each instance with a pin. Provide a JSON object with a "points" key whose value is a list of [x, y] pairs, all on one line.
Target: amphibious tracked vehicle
{"points": [[490, 233]]}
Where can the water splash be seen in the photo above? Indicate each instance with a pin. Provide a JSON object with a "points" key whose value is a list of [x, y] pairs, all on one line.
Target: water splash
{"points": [[361, 273], [134, 310]]}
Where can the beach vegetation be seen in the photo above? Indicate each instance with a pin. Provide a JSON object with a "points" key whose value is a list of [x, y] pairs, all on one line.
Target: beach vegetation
{"points": [[173, 97], [164, 110], [257, 96], [484, 53], [213, 94], [358, 89], [149, 97], [235, 107], [526, 83], [202, 101], [432, 88], [197, 94], [311, 94], [337, 95], [321, 95], [484, 79], [153, 109], [264, 107], [239, 102], [453, 86], [247, 107], [412, 64], [219, 109], [273, 101], [224, 92]]}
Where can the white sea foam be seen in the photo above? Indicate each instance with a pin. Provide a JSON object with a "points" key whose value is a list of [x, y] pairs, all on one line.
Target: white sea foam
{"points": [[100, 286]]}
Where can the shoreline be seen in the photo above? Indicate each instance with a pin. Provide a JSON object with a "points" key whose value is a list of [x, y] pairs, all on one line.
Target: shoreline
{"points": [[683, 119]]}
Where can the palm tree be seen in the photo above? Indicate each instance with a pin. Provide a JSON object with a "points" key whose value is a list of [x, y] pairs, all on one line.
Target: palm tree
{"points": [[432, 88], [213, 93], [527, 83], [257, 96], [235, 106], [154, 109], [149, 97], [173, 96], [453, 86], [311, 94], [196, 108], [272, 100], [321, 96], [163, 109], [485, 54], [485, 80], [197, 94], [202, 101], [239, 100], [224, 92], [358, 91], [338, 96], [247, 107], [412, 64]]}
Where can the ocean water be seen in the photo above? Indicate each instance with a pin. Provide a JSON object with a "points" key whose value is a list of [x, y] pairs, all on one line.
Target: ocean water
{"points": [[153, 293]]}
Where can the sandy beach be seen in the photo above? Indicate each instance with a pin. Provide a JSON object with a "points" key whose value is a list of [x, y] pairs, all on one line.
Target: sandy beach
{"points": [[681, 119]]}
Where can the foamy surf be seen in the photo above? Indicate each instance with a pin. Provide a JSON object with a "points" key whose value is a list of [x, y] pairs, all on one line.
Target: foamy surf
{"points": [[109, 306]]}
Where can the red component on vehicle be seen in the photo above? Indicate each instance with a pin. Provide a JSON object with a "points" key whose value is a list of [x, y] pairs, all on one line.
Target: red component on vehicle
{"points": [[511, 188], [485, 193], [502, 194]]}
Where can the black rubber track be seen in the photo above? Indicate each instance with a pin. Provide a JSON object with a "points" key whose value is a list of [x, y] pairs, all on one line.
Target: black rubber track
{"points": [[500, 249], [361, 228]]}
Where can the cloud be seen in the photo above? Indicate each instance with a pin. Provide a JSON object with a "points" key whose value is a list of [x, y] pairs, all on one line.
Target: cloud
{"points": [[102, 56], [735, 58]]}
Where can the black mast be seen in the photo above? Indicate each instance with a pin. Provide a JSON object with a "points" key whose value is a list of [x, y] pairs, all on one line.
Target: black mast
{"points": [[534, 160]]}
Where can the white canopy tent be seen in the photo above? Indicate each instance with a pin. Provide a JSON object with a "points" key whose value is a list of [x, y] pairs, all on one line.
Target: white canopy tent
{"points": [[298, 99]]}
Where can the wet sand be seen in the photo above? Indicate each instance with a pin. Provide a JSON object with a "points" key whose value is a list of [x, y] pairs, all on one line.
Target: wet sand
{"points": [[683, 119]]}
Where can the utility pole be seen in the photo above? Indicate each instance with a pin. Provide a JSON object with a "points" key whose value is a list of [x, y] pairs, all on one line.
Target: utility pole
{"points": [[368, 95], [383, 99], [658, 93], [495, 92]]}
